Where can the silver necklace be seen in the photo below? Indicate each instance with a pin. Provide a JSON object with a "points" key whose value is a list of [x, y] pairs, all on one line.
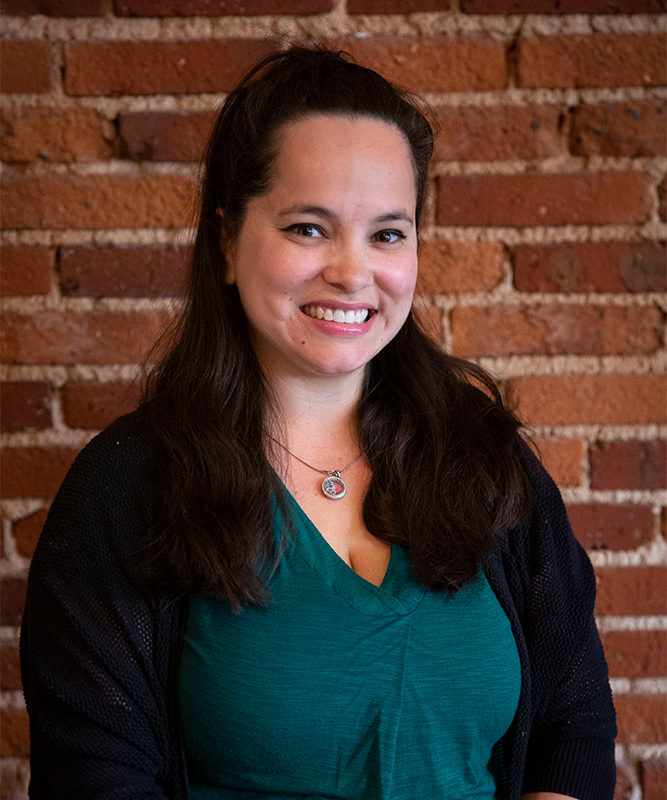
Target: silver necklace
{"points": [[333, 486]]}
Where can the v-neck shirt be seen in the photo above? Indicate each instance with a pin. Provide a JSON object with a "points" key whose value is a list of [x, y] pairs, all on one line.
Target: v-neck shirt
{"points": [[344, 690]]}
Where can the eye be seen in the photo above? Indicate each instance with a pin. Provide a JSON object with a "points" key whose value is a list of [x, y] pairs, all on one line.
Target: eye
{"points": [[306, 230], [389, 236]]}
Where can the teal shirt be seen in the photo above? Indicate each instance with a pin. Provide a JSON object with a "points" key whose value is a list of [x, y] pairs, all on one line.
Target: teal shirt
{"points": [[343, 689]]}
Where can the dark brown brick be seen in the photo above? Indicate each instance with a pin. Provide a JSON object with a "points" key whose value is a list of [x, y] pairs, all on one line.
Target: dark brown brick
{"points": [[66, 135], [96, 405], [160, 67], [395, 6], [620, 129], [562, 6], [628, 465], [10, 670], [452, 267], [96, 201], [153, 271], [633, 591], [27, 531], [600, 526], [641, 718], [54, 8], [34, 471], [24, 67], [85, 337], [15, 741], [599, 60], [555, 329], [219, 8], [654, 779], [433, 63], [164, 135], [499, 133], [555, 199], [662, 200], [25, 270], [636, 654], [591, 267], [26, 406], [590, 399], [12, 600]]}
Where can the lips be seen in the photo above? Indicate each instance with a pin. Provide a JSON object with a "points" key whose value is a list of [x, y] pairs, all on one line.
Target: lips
{"points": [[344, 316]]}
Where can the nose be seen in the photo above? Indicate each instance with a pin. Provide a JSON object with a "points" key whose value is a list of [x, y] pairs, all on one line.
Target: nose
{"points": [[348, 268]]}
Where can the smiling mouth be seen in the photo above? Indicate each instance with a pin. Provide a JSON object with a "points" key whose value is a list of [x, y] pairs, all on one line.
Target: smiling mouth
{"points": [[350, 317]]}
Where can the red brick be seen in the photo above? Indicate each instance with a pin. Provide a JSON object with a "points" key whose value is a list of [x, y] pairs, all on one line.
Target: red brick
{"points": [[153, 271], [158, 67], [54, 8], [628, 465], [590, 399], [601, 526], [26, 406], [562, 6], [624, 783], [633, 591], [15, 740], [641, 718], [96, 405], [53, 135], [431, 321], [10, 670], [620, 129], [555, 329], [600, 60], [654, 779], [433, 63], [24, 67], [12, 600], [591, 267], [636, 654], [34, 471], [27, 531], [498, 133], [96, 201], [524, 200], [562, 459], [662, 200], [215, 8], [164, 135], [86, 337], [451, 267], [395, 6], [25, 270]]}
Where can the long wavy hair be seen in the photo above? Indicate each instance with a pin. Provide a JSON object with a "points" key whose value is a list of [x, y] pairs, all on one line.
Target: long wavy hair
{"points": [[447, 472]]}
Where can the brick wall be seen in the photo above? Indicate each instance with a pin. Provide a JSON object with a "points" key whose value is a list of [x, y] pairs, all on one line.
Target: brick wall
{"points": [[544, 256]]}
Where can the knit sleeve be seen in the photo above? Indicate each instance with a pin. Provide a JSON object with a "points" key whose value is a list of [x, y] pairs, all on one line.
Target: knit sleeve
{"points": [[93, 651], [571, 744]]}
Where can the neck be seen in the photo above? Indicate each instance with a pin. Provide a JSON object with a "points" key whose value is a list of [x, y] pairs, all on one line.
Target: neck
{"points": [[317, 414]]}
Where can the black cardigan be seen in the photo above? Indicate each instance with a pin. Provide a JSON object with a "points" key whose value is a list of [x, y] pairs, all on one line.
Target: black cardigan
{"points": [[100, 654]]}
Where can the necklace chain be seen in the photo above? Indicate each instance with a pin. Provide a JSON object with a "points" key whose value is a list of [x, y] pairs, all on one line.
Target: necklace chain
{"points": [[333, 486]]}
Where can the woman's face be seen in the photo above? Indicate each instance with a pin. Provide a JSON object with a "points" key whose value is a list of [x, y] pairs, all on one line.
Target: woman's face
{"points": [[326, 262]]}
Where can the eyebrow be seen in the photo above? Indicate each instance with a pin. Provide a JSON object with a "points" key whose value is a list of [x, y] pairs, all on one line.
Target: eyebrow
{"points": [[391, 216]]}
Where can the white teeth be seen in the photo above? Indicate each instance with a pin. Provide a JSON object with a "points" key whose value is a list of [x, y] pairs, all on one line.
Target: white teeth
{"points": [[337, 315]]}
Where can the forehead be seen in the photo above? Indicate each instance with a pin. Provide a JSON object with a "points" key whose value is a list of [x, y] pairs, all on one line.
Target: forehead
{"points": [[342, 151]]}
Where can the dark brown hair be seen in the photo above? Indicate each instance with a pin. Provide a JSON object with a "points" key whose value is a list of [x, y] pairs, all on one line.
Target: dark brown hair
{"points": [[446, 467]]}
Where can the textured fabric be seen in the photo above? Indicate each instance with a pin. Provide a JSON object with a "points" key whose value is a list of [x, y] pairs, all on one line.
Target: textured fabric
{"points": [[100, 655], [343, 689]]}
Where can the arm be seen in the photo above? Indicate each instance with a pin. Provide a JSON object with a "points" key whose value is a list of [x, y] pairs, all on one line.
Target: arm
{"points": [[92, 660], [571, 740]]}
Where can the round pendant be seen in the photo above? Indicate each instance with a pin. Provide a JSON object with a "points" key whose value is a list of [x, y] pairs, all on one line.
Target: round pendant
{"points": [[333, 487]]}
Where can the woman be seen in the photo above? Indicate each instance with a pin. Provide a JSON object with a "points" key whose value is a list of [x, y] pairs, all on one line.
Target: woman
{"points": [[317, 562]]}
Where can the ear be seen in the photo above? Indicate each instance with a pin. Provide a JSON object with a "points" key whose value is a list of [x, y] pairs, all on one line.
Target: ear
{"points": [[227, 251]]}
